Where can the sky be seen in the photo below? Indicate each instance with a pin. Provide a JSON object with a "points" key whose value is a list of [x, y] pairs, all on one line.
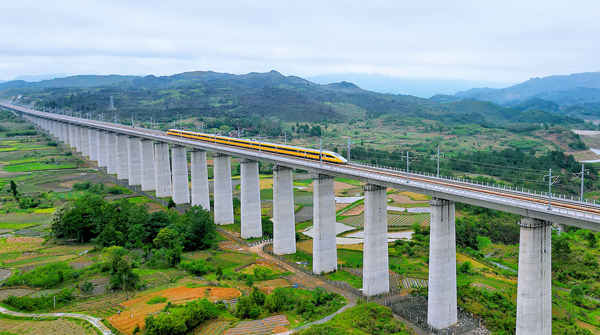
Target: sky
{"points": [[500, 41]]}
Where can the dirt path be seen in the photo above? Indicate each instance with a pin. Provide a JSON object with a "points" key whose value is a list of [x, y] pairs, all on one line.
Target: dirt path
{"points": [[94, 321]]}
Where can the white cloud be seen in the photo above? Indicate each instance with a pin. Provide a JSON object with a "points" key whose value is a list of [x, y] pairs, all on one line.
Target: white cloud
{"points": [[477, 40]]}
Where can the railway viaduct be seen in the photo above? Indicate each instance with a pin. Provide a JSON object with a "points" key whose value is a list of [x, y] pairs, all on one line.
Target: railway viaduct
{"points": [[159, 163]]}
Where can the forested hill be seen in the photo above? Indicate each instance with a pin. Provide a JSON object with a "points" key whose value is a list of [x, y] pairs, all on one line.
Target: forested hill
{"points": [[270, 94], [579, 88]]}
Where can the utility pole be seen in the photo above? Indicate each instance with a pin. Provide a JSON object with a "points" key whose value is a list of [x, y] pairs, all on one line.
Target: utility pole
{"points": [[551, 181], [438, 161], [581, 175], [407, 163], [321, 150], [349, 143]]}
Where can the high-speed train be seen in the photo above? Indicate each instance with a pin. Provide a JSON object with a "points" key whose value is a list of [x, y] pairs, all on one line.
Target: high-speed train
{"points": [[281, 149]]}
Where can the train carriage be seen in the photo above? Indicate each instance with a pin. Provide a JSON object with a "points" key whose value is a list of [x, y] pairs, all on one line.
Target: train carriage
{"points": [[281, 149]]}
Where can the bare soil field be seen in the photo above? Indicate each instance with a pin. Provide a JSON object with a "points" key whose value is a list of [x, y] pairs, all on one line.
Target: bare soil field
{"points": [[268, 286], [356, 210], [136, 309]]}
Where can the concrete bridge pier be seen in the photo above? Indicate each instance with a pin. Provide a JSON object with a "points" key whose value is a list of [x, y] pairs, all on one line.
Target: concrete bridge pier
{"points": [[284, 228], [534, 284], [179, 169], [441, 304], [72, 136], [250, 188], [85, 141], [162, 170], [324, 244], [223, 189], [134, 163], [376, 274], [147, 165], [200, 190], [122, 156], [93, 144], [111, 153], [66, 133], [102, 148], [78, 146]]}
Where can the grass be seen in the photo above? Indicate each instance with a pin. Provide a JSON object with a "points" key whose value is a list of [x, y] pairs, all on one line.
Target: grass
{"points": [[340, 275], [14, 226], [348, 181], [26, 167]]}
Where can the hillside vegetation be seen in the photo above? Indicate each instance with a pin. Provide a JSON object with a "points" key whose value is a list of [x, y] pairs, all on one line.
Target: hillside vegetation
{"points": [[260, 95]]}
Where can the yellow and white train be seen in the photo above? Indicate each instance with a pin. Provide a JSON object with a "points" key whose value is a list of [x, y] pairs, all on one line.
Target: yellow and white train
{"points": [[281, 149]]}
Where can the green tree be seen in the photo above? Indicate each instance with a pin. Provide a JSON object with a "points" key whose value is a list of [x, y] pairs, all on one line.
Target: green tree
{"points": [[169, 245], [121, 270], [197, 228], [81, 220], [13, 189], [246, 308]]}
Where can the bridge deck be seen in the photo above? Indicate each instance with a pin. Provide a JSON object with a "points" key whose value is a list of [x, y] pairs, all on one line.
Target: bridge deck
{"points": [[563, 211]]}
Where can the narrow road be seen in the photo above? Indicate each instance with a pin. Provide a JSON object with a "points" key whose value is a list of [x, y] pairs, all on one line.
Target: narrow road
{"points": [[94, 321]]}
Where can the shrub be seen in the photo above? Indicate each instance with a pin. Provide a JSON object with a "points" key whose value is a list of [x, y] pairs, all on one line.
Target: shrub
{"points": [[82, 186], [156, 300], [246, 308], [45, 276], [87, 287], [45, 302], [28, 202], [199, 267], [115, 190], [181, 319]]}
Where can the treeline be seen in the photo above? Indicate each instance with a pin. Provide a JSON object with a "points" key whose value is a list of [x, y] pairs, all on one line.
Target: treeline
{"points": [[517, 167], [162, 234]]}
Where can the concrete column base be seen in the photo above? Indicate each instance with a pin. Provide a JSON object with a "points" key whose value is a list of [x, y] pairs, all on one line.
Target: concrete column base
{"points": [[441, 302], [324, 244], [223, 189], [534, 287], [251, 214], [284, 232], [179, 169], [200, 190], [162, 170], [376, 273]]}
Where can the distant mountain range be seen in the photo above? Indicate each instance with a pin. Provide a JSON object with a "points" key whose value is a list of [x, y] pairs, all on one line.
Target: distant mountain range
{"points": [[574, 89], [266, 95], [423, 88]]}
